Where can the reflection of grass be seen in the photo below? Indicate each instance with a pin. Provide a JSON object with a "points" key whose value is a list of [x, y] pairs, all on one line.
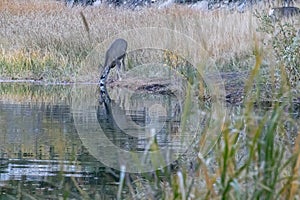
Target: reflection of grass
{"points": [[26, 92]]}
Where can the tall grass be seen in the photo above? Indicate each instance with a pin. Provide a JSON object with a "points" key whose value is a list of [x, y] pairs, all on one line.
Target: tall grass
{"points": [[51, 29], [254, 158]]}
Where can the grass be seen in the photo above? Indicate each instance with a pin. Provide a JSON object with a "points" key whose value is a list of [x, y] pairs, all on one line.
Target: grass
{"points": [[253, 159], [51, 30], [44, 40]]}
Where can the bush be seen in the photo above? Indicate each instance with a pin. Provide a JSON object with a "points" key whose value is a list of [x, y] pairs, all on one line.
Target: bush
{"points": [[285, 42]]}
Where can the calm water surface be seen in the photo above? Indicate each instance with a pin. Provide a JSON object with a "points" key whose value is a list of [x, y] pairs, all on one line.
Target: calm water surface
{"points": [[41, 154], [47, 150]]}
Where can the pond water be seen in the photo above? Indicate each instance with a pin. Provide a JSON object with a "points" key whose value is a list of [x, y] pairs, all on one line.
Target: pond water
{"points": [[58, 141]]}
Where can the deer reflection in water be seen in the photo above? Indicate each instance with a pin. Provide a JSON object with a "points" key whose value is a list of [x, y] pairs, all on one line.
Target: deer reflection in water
{"points": [[131, 129]]}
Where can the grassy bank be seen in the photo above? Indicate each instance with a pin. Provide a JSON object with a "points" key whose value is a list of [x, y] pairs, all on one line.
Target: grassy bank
{"points": [[46, 40]]}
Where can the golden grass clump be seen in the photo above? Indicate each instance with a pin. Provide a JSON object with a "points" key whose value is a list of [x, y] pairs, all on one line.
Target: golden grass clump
{"points": [[31, 6], [33, 65]]}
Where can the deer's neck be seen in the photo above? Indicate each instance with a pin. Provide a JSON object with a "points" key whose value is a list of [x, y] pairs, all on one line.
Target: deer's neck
{"points": [[104, 75], [102, 82]]}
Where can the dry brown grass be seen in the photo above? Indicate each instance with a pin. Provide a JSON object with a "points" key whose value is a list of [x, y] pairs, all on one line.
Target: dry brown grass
{"points": [[52, 26], [23, 6]]}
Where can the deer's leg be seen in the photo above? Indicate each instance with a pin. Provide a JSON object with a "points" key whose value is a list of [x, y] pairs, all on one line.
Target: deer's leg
{"points": [[118, 64], [123, 63]]}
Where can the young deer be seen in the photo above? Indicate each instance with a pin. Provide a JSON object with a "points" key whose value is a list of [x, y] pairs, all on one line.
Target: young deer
{"points": [[283, 12], [113, 57]]}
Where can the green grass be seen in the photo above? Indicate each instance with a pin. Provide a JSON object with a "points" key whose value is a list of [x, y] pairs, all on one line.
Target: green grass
{"points": [[254, 159]]}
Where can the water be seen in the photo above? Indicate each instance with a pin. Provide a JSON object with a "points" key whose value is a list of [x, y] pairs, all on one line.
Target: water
{"points": [[57, 141], [40, 151]]}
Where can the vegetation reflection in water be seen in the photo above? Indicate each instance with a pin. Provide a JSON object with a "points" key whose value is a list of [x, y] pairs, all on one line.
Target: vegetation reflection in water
{"points": [[42, 155]]}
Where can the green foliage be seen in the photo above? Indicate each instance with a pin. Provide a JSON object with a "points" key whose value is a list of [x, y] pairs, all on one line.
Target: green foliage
{"points": [[285, 42], [250, 161], [36, 65]]}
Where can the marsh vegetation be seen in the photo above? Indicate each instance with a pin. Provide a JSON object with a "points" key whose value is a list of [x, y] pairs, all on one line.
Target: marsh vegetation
{"points": [[257, 154]]}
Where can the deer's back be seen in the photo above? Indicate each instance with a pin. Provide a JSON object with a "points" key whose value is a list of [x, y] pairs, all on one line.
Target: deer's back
{"points": [[285, 11], [117, 50]]}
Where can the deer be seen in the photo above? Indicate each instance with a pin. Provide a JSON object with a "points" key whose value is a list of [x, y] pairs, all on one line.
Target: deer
{"points": [[283, 12], [114, 56]]}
